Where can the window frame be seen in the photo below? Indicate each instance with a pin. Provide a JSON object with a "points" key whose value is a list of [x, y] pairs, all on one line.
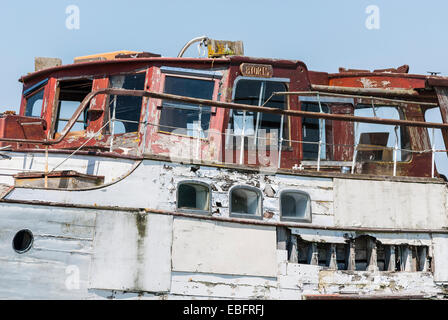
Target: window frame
{"points": [[33, 90], [404, 131], [259, 215], [195, 74], [197, 211], [107, 130], [56, 106], [286, 82], [309, 214]]}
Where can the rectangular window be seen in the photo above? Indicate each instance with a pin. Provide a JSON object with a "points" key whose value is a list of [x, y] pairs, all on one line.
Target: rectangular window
{"points": [[193, 196], [376, 142], [71, 94], [125, 111], [246, 202], [257, 93], [295, 206], [436, 139], [186, 118], [313, 131], [34, 103]]}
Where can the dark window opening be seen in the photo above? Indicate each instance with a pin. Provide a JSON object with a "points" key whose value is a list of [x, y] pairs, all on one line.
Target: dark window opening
{"points": [[71, 94], [295, 206], [257, 93], [126, 110], [193, 196], [376, 142], [23, 240], [34, 103], [436, 140], [185, 118], [245, 201], [313, 131]]}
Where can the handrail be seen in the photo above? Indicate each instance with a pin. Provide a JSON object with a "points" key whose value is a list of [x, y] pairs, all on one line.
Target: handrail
{"points": [[352, 90], [226, 105]]}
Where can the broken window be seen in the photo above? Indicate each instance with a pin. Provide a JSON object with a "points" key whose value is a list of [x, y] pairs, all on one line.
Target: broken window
{"points": [[436, 139], [71, 94], [185, 118], [376, 142], [34, 104], [34, 99], [125, 111], [259, 93], [295, 206], [313, 131], [193, 196], [245, 201]]}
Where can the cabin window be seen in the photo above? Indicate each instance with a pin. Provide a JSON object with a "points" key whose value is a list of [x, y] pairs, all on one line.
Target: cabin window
{"points": [[71, 94], [436, 139], [125, 111], [257, 93], [295, 206], [376, 142], [313, 131], [193, 196], [23, 241], [246, 202], [185, 118], [34, 103]]}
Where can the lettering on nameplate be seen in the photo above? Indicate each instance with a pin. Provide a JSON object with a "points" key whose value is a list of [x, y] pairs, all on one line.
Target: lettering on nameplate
{"points": [[257, 70]]}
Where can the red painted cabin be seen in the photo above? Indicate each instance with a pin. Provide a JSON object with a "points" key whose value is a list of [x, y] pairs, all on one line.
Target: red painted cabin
{"points": [[147, 127]]}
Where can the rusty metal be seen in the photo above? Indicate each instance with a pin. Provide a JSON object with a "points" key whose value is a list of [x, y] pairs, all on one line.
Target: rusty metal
{"points": [[361, 297], [367, 97], [226, 105], [366, 91], [296, 172]]}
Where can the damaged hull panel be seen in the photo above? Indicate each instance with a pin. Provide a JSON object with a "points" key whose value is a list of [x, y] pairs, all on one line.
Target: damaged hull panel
{"points": [[150, 250], [135, 176]]}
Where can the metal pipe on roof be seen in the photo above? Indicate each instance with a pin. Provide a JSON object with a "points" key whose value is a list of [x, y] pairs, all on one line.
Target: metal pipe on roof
{"points": [[352, 90], [227, 105]]}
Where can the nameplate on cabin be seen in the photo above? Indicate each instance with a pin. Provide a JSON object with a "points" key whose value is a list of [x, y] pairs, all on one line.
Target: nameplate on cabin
{"points": [[257, 70]]}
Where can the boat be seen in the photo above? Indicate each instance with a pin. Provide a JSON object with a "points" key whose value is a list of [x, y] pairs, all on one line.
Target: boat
{"points": [[128, 175]]}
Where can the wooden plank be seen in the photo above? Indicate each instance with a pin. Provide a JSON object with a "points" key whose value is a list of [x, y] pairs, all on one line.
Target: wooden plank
{"points": [[390, 258], [351, 256], [423, 259], [333, 263], [442, 95], [313, 254], [372, 259], [294, 254]]}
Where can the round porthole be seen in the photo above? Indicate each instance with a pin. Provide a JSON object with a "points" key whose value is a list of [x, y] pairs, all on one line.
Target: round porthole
{"points": [[23, 240]]}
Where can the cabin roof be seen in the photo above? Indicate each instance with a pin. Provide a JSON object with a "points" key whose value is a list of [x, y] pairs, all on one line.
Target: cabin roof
{"points": [[140, 62]]}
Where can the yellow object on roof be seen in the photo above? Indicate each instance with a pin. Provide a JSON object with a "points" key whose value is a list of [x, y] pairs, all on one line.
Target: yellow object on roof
{"points": [[102, 56]]}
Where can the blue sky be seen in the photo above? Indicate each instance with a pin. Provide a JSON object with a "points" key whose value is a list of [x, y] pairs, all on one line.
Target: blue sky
{"points": [[324, 34]]}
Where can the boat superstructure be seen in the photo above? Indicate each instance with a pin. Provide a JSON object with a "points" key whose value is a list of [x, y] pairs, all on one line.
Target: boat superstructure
{"points": [[131, 175]]}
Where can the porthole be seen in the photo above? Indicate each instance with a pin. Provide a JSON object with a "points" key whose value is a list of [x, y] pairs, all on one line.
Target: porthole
{"points": [[23, 241]]}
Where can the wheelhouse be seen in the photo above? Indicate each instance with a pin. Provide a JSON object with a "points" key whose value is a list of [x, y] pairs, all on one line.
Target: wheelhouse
{"points": [[333, 134]]}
